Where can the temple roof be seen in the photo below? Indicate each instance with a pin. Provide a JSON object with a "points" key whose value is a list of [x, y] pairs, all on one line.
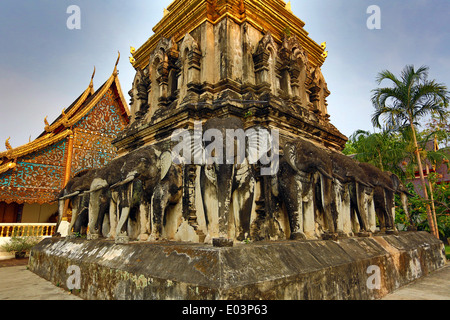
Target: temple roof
{"points": [[60, 128], [183, 16], [79, 139]]}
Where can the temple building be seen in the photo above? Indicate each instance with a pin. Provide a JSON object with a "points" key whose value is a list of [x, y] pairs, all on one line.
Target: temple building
{"points": [[246, 64], [32, 175], [249, 59]]}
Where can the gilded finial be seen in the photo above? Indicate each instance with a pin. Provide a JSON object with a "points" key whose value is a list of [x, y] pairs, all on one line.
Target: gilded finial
{"points": [[7, 144], [115, 73], [132, 50], [118, 59], [325, 54], [289, 7], [47, 125], [93, 75], [165, 12], [91, 85], [324, 45], [132, 60], [66, 122]]}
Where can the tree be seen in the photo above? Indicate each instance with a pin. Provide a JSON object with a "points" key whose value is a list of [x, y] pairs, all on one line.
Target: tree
{"points": [[385, 150], [411, 98]]}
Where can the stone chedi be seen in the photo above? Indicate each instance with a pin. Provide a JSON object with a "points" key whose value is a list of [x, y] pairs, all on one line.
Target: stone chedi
{"points": [[230, 142], [231, 65]]}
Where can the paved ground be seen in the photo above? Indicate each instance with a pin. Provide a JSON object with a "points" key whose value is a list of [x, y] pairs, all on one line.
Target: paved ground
{"points": [[435, 286], [18, 283]]}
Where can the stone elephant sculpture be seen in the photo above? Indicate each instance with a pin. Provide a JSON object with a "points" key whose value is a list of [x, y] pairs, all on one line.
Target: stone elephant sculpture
{"points": [[103, 201], [354, 196], [386, 184], [305, 187], [147, 177], [77, 193], [227, 187]]}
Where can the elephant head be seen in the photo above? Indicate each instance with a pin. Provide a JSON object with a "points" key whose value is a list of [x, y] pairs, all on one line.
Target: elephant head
{"points": [[384, 191], [103, 199], [302, 161], [351, 175], [144, 171], [223, 174], [76, 195]]}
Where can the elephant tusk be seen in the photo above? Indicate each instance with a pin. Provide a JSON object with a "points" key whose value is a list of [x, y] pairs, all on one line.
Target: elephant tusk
{"points": [[97, 189], [325, 174], [72, 195], [124, 182], [340, 178], [365, 184]]}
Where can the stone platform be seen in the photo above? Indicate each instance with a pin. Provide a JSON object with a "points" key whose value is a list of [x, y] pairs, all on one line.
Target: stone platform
{"points": [[355, 268]]}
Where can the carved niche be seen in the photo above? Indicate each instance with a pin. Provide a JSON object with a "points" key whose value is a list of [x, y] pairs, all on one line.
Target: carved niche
{"points": [[162, 70], [265, 62], [190, 67], [319, 93], [139, 94]]}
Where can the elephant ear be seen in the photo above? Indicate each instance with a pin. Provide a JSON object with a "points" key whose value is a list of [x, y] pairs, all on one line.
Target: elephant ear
{"points": [[166, 163], [290, 154], [197, 148], [395, 180], [259, 143]]}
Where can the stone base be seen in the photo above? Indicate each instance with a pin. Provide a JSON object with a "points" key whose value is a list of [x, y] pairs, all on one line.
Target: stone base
{"points": [[354, 268]]}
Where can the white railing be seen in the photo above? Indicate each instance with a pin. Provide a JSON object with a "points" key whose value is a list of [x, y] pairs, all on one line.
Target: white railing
{"points": [[27, 229]]}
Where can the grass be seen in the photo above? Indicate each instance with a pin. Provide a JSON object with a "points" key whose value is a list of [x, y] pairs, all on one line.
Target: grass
{"points": [[447, 252]]}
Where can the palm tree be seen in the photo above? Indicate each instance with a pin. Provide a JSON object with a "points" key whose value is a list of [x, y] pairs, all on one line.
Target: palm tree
{"points": [[411, 98]]}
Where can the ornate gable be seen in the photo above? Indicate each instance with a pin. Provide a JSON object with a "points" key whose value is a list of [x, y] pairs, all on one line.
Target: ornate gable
{"points": [[78, 140]]}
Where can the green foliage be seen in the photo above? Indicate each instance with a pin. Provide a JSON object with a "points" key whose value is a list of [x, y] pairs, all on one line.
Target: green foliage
{"points": [[385, 150], [401, 149], [21, 244], [417, 209], [410, 98], [417, 212]]}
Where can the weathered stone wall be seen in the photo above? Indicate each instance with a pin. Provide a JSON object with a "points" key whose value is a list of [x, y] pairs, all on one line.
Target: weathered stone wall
{"points": [[295, 270]]}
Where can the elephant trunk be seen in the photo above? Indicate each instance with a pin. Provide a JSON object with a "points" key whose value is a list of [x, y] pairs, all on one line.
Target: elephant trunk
{"points": [[326, 194], [225, 175]]}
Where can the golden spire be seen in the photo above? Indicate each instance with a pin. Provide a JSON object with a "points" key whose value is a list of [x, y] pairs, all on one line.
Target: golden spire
{"points": [[132, 50]]}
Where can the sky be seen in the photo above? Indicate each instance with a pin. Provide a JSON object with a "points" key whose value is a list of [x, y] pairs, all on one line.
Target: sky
{"points": [[45, 66]]}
